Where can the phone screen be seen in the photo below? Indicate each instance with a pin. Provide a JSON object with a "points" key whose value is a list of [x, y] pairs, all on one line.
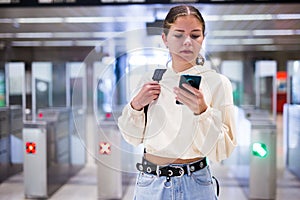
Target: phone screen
{"points": [[192, 80]]}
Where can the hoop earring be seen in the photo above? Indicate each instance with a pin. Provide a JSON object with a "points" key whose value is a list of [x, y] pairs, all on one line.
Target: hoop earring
{"points": [[200, 60]]}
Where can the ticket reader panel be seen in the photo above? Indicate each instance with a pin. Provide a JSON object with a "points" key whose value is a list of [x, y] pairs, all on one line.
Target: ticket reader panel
{"points": [[109, 161], [47, 153], [35, 160], [262, 180]]}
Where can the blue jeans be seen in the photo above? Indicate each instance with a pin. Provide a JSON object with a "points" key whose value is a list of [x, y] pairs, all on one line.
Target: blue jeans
{"points": [[196, 186]]}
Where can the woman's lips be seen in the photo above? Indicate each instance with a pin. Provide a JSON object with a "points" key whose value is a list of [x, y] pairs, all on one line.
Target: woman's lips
{"points": [[186, 52]]}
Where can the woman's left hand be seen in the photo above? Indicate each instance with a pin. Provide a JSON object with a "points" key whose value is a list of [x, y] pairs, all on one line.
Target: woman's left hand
{"points": [[194, 100]]}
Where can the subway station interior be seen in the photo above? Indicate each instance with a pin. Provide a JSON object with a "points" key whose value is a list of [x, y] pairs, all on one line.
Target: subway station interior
{"points": [[68, 67]]}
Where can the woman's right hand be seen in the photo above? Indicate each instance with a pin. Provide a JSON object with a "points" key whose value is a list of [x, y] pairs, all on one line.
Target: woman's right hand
{"points": [[146, 95]]}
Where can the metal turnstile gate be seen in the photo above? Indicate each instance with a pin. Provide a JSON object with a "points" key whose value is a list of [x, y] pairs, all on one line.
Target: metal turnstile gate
{"points": [[109, 161], [35, 160], [47, 160], [4, 143], [262, 166]]}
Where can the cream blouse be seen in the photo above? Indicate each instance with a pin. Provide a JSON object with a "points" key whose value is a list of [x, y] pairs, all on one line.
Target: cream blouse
{"points": [[173, 130]]}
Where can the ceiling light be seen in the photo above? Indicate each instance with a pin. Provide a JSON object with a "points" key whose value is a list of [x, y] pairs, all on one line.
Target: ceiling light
{"points": [[256, 41], [230, 33], [6, 20], [273, 32], [59, 43], [40, 20], [246, 17], [288, 16], [135, 19], [88, 43], [26, 43], [223, 42], [72, 35], [212, 17], [106, 34], [6, 35], [89, 19], [34, 35]]}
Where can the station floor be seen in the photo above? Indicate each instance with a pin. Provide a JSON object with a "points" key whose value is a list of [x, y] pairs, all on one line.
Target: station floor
{"points": [[84, 184]]}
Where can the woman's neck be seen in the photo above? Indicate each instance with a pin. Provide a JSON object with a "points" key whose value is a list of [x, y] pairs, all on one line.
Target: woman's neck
{"points": [[181, 66]]}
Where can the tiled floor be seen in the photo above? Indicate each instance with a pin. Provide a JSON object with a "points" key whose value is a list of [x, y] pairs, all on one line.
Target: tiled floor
{"points": [[84, 184]]}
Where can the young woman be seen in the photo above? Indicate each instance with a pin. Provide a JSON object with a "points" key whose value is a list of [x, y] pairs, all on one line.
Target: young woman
{"points": [[178, 138]]}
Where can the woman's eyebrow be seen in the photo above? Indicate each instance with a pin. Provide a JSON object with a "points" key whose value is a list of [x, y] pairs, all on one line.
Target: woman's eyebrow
{"points": [[180, 30], [196, 30]]}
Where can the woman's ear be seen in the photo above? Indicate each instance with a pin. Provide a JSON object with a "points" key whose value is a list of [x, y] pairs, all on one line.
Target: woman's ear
{"points": [[164, 38]]}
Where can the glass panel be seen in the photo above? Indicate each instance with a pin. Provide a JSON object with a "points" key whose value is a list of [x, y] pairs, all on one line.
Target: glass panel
{"points": [[41, 86], [104, 78], [266, 87], [233, 69]]}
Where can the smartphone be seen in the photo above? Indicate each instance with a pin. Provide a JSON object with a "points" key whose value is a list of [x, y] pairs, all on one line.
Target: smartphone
{"points": [[192, 80]]}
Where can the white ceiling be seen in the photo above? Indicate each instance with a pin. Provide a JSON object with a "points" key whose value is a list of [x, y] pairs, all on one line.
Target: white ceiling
{"points": [[239, 27]]}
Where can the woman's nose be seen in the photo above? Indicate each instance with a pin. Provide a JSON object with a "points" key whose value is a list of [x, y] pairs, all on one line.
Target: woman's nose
{"points": [[187, 40]]}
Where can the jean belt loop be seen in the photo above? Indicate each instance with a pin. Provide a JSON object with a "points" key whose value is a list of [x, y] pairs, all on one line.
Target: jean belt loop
{"points": [[157, 171]]}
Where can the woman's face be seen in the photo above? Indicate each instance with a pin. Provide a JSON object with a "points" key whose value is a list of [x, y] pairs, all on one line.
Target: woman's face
{"points": [[184, 39]]}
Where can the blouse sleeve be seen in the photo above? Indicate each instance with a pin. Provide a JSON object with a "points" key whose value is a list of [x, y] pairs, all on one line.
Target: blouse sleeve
{"points": [[131, 123], [215, 128]]}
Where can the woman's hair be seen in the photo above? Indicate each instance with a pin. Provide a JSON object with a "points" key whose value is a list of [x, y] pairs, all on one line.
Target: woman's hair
{"points": [[178, 11]]}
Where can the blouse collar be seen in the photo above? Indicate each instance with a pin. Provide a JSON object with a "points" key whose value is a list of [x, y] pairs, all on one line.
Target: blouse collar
{"points": [[197, 69]]}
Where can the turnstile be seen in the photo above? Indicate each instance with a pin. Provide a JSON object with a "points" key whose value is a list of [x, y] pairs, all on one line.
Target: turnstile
{"points": [[59, 118], [11, 151], [262, 180], [4, 143], [47, 159], [109, 166], [291, 127], [16, 140], [36, 174], [257, 171], [70, 129]]}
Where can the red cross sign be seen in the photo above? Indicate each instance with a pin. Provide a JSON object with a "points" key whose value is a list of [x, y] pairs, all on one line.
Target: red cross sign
{"points": [[30, 147], [104, 148]]}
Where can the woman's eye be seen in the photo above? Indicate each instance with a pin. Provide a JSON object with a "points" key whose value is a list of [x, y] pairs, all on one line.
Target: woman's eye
{"points": [[178, 35], [195, 36]]}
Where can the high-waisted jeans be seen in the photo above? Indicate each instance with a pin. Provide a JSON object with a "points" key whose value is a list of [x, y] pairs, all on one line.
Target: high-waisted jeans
{"points": [[196, 186]]}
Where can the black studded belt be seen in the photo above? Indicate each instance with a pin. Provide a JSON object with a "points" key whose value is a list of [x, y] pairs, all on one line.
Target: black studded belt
{"points": [[170, 170]]}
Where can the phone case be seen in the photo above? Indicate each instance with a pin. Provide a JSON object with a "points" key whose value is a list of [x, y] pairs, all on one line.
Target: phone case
{"points": [[192, 80]]}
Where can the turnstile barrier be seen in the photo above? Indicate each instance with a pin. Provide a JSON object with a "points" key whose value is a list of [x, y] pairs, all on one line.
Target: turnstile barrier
{"points": [[16, 140], [262, 181], [291, 136], [262, 177], [35, 160], [257, 172], [109, 160], [4, 143], [47, 160], [44, 172]]}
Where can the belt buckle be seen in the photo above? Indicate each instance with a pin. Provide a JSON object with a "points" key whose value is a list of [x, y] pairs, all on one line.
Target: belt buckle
{"points": [[181, 170]]}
